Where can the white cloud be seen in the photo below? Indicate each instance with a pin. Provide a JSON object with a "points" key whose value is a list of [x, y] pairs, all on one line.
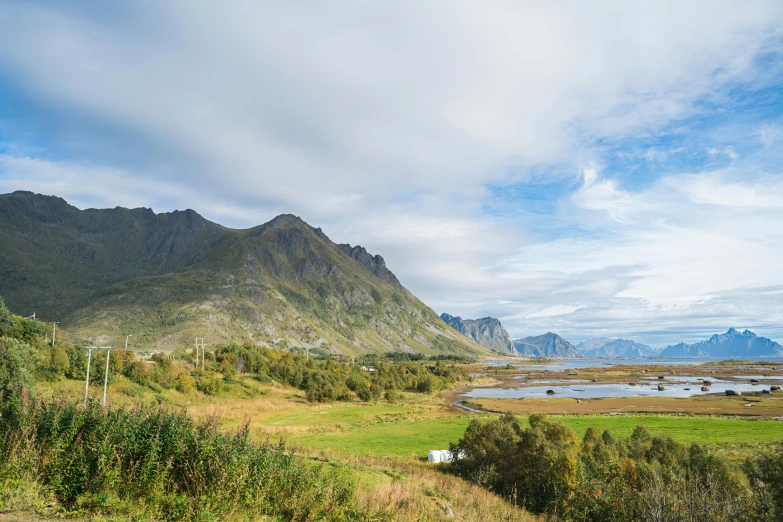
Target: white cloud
{"points": [[553, 311], [728, 151], [605, 195], [711, 189], [386, 123]]}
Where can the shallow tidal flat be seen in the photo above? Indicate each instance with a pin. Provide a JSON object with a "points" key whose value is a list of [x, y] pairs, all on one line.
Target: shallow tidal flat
{"points": [[615, 387]]}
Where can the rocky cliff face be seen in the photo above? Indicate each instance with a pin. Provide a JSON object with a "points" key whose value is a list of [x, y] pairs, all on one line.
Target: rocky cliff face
{"points": [[547, 345], [487, 332], [165, 278], [731, 344], [374, 264]]}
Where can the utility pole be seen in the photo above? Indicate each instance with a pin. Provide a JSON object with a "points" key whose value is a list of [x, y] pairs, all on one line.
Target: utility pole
{"points": [[54, 331], [126, 341], [106, 375], [87, 380], [200, 342]]}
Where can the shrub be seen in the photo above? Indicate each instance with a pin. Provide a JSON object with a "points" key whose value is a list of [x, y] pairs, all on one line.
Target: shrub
{"points": [[18, 361], [162, 462], [208, 384], [600, 478], [392, 396], [184, 383]]}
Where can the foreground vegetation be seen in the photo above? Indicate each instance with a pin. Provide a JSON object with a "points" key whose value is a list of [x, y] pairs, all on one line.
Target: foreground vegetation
{"points": [[151, 462], [548, 469], [412, 435], [359, 439]]}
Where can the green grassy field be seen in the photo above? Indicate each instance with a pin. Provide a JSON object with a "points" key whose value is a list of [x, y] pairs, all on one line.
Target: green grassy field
{"points": [[417, 425], [415, 437]]}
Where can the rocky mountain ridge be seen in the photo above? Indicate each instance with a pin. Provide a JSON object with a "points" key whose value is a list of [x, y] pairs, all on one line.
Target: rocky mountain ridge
{"points": [[168, 277], [547, 345], [487, 331], [731, 344], [614, 348]]}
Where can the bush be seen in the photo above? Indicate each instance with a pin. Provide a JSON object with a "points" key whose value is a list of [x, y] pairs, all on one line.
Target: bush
{"points": [[163, 463], [392, 396], [18, 361], [208, 384], [546, 469], [184, 383], [765, 473]]}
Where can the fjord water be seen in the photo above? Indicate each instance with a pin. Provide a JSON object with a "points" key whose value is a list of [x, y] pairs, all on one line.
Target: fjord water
{"points": [[674, 385], [575, 364], [603, 391]]}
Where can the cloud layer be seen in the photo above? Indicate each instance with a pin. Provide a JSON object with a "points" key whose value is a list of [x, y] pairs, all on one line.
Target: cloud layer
{"points": [[601, 169]]}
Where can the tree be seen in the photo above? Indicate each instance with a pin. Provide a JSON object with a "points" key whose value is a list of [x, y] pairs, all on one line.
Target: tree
{"points": [[17, 363], [765, 474]]}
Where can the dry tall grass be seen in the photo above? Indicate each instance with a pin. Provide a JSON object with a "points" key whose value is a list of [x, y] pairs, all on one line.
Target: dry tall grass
{"points": [[420, 492]]}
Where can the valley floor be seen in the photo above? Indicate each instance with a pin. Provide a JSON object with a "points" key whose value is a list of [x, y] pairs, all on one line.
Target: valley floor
{"points": [[383, 446]]}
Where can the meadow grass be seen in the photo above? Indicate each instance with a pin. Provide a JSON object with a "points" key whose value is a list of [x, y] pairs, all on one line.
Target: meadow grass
{"points": [[415, 438], [408, 428]]}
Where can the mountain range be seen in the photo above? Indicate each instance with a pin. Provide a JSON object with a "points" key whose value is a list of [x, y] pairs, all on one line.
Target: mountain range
{"points": [[487, 331], [168, 277], [731, 344], [614, 348], [490, 333]]}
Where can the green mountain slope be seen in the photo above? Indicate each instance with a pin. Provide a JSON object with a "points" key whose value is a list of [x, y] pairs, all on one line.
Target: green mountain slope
{"points": [[167, 278]]}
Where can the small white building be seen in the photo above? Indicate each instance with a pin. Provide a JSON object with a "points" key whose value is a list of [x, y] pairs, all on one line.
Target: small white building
{"points": [[438, 456]]}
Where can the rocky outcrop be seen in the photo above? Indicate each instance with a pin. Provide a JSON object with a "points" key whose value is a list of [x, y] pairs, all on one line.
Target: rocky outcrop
{"points": [[373, 263], [487, 331]]}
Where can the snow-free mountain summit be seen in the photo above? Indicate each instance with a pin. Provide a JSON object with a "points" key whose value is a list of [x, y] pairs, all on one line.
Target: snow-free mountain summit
{"points": [[614, 348], [169, 277], [731, 344], [487, 332], [547, 345]]}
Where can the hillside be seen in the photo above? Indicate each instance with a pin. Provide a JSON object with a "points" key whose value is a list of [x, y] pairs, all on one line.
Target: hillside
{"points": [[614, 348], [547, 345], [169, 277], [731, 344], [488, 332]]}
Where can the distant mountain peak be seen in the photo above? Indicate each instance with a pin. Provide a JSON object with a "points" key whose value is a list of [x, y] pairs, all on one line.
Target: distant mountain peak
{"points": [[611, 348], [487, 331], [546, 345], [731, 344]]}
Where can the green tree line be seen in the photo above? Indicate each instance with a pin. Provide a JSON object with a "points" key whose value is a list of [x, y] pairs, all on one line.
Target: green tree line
{"points": [[326, 379], [26, 356]]}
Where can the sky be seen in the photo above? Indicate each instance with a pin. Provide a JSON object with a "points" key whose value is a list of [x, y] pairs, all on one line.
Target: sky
{"points": [[595, 169]]}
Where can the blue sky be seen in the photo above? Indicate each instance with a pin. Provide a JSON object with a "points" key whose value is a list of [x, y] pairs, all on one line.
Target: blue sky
{"points": [[611, 169]]}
